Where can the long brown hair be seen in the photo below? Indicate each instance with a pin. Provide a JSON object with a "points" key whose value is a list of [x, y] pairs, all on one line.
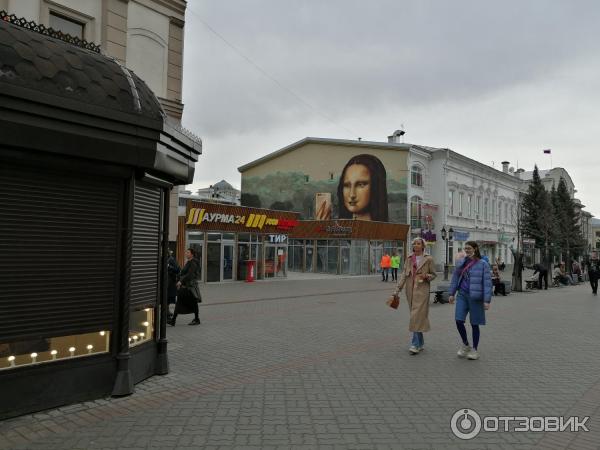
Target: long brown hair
{"points": [[475, 248]]}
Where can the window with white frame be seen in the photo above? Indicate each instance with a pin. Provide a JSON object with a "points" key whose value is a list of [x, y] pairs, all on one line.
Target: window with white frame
{"points": [[416, 211], [493, 211], [451, 203], [506, 218], [416, 176], [485, 210], [460, 203], [478, 205]]}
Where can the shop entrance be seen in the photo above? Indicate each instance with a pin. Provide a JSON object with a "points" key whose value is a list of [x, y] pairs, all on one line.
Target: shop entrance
{"points": [[219, 257], [275, 261]]}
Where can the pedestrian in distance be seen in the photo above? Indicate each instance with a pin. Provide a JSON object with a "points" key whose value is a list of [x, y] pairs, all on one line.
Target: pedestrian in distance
{"points": [[594, 275], [499, 286], [385, 263], [576, 270], [173, 271], [471, 288], [188, 294], [395, 265], [560, 276], [416, 275], [542, 272]]}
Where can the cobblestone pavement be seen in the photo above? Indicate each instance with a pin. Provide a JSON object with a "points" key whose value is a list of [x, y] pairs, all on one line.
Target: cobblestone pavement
{"points": [[305, 364]]}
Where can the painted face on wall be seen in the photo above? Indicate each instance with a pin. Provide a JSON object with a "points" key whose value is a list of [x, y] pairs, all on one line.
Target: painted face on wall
{"points": [[357, 188]]}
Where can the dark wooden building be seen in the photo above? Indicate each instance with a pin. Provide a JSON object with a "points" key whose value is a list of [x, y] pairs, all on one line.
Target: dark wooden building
{"points": [[87, 160]]}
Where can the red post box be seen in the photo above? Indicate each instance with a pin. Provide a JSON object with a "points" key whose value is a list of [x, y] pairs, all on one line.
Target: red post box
{"points": [[250, 270]]}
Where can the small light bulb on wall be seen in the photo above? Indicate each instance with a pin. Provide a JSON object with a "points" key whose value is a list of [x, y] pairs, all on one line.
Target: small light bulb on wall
{"points": [[147, 309], [135, 338], [72, 351], [11, 360], [129, 340], [53, 353], [146, 324], [90, 347], [34, 356], [102, 333], [142, 335]]}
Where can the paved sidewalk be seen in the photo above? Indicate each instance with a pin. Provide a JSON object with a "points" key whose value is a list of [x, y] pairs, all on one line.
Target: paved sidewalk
{"points": [[323, 363]]}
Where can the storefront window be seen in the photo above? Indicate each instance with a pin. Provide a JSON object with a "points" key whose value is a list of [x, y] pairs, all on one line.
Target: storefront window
{"points": [[310, 250], [45, 350], [345, 257], [296, 255], [321, 256], [141, 326], [332, 256]]}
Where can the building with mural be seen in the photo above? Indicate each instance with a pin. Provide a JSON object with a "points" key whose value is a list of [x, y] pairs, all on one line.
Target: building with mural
{"points": [[428, 189], [315, 177]]}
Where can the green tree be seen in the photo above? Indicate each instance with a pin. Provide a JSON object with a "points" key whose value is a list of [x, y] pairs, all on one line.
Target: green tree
{"points": [[538, 221], [569, 235]]}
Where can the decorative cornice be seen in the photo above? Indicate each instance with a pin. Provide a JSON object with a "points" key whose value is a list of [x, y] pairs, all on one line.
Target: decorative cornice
{"points": [[51, 32]]}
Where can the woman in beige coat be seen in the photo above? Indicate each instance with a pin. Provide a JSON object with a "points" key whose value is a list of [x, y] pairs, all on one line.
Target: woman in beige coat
{"points": [[418, 272]]}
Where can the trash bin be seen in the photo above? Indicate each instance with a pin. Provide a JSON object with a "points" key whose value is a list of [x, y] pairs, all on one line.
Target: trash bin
{"points": [[250, 270]]}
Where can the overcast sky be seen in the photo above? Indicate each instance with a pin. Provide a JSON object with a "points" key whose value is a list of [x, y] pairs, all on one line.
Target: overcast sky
{"points": [[491, 80]]}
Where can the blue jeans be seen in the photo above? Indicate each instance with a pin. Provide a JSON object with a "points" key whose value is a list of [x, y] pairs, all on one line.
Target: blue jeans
{"points": [[417, 339]]}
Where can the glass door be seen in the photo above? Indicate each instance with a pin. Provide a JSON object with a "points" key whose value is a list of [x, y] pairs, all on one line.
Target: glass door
{"points": [[227, 261], [213, 262], [281, 261], [270, 261]]}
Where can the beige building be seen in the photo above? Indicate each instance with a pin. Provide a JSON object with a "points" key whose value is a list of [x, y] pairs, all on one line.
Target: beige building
{"points": [[146, 36], [302, 175]]}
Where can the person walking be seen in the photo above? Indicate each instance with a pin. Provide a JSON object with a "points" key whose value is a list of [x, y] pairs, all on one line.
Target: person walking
{"points": [[417, 274], [594, 275], [499, 286], [188, 294], [385, 263], [472, 286], [173, 271], [395, 265], [542, 272]]}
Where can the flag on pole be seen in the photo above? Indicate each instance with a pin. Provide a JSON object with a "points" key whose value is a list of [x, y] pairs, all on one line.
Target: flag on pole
{"points": [[547, 151]]}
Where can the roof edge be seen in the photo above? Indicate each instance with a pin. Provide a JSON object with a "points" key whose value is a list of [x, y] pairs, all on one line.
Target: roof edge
{"points": [[318, 140]]}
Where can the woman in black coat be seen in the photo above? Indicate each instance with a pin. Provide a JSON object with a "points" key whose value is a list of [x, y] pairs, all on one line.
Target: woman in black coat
{"points": [[188, 294]]}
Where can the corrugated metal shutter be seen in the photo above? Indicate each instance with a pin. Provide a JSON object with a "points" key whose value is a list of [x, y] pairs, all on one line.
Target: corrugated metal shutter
{"points": [[58, 247], [146, 246]]}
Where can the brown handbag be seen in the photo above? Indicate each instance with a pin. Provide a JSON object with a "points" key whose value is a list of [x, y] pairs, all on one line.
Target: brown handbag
{"points": [[393, 301]]}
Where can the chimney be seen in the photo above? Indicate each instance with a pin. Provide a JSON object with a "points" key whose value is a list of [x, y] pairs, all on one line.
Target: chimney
{"points": [[395, 138], [505, 166]]}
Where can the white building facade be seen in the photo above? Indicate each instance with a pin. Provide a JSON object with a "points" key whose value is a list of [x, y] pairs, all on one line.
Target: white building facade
{"points": [[479, 203]]}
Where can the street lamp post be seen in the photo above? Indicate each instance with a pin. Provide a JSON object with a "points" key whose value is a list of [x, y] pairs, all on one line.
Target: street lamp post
{"points": [[447, 238]]}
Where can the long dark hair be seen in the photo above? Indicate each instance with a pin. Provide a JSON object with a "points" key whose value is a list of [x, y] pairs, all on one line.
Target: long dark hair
{"points": [[475, 246], [378, 201]]}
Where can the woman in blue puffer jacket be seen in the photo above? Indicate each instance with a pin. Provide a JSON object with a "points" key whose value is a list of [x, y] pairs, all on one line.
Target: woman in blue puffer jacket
{"points": [[473, 282]]}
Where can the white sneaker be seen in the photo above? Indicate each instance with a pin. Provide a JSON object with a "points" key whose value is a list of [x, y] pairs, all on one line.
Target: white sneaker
{"points": [[464, 351], [473, 354], [414, 350]]}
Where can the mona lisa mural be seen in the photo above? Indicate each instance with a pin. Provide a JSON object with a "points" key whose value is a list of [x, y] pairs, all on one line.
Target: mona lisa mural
{"points": [[329, 179]]}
